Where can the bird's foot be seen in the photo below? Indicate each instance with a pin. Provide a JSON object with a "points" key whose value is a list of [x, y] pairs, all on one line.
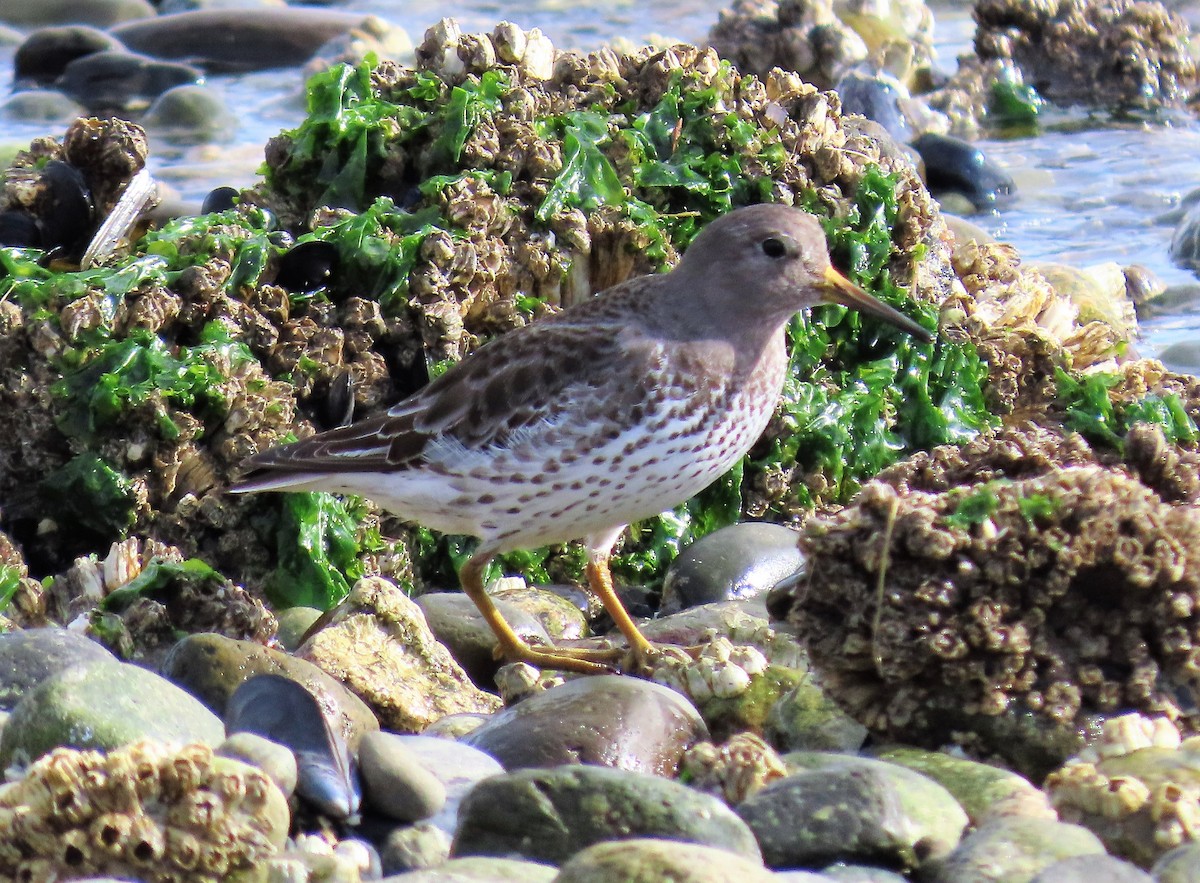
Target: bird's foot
{"points": [[581, 660]]}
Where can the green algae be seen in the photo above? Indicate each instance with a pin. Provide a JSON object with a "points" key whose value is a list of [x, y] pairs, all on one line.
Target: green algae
{"points": [[10, 581], [1090, 410], [91, 498]]}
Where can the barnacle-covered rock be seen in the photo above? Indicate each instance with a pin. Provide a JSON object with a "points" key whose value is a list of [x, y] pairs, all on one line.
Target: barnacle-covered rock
{"points": [[822, 40], [1103, 52], [1136, 787], [147, 811], [732, 771], [1013, 586]]}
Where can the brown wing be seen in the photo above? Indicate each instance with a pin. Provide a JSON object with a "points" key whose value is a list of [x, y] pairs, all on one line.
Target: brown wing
{"points": [[534, 374]]}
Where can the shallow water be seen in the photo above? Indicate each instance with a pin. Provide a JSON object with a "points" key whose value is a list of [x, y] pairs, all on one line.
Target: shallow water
{"points": [[1089, 189]]}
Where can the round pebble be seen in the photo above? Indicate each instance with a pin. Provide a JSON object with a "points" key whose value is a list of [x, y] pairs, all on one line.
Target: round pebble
{"points": [[653, 861], [395, 783]]}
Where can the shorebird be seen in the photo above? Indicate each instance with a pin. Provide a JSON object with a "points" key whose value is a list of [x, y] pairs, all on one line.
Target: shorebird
{"points": [[611, 411]]}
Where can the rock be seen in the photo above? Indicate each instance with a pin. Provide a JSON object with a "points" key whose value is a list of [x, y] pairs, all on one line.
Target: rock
{"points": [[294, 622], [607, 720], [29, 656], [189, 114], [45, 54], [878, 97], [98, 13], [952, 164], [276, 760], [740, 561], [41, 106], [211, 667], [376, 641], [984, 791], [652, 861], [121, 81], [104, 704], [455, 726], [741, 622], [395, 782], [1180, 865], [561, 618], [551, 814], [1092, 869], [458, 767], [1014, 850], [456, 622], [1097, 291], [855, 874], [481, 870], [1182, 356], [852, 809], [415, 847], [228, 40], [806, 719]]}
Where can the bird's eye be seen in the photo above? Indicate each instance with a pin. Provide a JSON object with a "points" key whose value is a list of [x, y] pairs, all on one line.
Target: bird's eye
{"points": [[775, 247]]}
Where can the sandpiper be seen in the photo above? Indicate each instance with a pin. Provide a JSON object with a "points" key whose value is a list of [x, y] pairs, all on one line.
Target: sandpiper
{"points": [[610, 411]]}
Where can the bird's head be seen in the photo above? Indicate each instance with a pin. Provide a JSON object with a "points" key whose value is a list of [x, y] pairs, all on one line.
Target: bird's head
{"points": [[774, 259]]}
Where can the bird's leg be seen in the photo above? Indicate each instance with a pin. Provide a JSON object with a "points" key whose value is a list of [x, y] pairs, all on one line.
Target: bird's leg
{"points": [[512, 647], [601, 583]]}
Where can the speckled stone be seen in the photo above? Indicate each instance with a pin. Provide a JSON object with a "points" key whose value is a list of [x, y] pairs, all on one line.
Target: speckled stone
{"points": [[29, 656], [852, 809], [1093, 869], [654, 861], [1014, 850], [606, 720], [414, 848], [551, 814], [1180, 865]]}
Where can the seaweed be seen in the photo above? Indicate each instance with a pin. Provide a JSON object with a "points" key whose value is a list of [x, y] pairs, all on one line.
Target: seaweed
{"points": [[10, 581], [1090, 410], [91, 497], [318, 541]]}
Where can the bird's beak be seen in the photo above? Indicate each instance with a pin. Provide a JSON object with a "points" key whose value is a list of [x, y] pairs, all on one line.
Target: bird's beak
{"points": [[838, 289]]}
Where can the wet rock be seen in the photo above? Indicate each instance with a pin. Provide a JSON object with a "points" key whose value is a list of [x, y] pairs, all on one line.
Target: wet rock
{"points": [[455, 726], [276, 760], [560, 617], [98, 13], [104, 704], [116, 81], [456, 622], [457, 766], [42, 106], [740, 622], [395, 782], [878, 97], [736, 562], [954, 165], [1185, 241], [649, 861], [280, 709], [212, 667], [1105, 52], [1092, 869], [29, 656], [227, 40], [984, 791], [806, 719], [45, 54], [294, 623], [551, 814], [1098, 291], [853, 874], [607, 720], [852, 809], [482, 870], [190, 114], [377, 642], [414, 848], [180, 812], [1180, 865], [744, 765], [1183, 356], [1014, 850]]}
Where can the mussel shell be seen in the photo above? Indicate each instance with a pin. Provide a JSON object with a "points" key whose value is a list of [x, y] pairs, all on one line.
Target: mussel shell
{"points": [[220, 199], [307, 266], [64, 206], [336, 407], [952, 164], [19, 229]]}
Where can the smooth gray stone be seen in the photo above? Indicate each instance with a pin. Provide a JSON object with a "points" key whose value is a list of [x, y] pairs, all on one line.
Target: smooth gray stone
{"points": [[98, 13], [45, 53], [226, 40], [550, 814], [480, 870], [457, 766], [606, 720], [41, 106], [104, 704], [1014, 848], [395, 782], [456, 622], [190, 114], [643, 860], [1093, 869], [115, 80], [414, 848], [29, 656], [1180, 865], [740, 561]]}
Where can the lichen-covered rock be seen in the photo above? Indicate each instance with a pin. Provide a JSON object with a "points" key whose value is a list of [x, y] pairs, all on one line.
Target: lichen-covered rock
{"points": [[1014, 585], [147, 811], [1104, 52]]}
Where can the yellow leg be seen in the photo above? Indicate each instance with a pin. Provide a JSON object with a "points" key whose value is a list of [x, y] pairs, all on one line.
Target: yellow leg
{"points": [[582, 660], [601, 583]]}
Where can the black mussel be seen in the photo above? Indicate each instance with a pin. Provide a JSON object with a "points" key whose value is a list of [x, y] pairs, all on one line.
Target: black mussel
{"points": [[220, 199], [307, 266], [283, 711], [19, 229], [336, 407], [954, 165], [64, 206]]}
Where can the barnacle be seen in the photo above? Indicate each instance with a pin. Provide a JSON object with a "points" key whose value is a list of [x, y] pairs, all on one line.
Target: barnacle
{"points": [[146, 810]]}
